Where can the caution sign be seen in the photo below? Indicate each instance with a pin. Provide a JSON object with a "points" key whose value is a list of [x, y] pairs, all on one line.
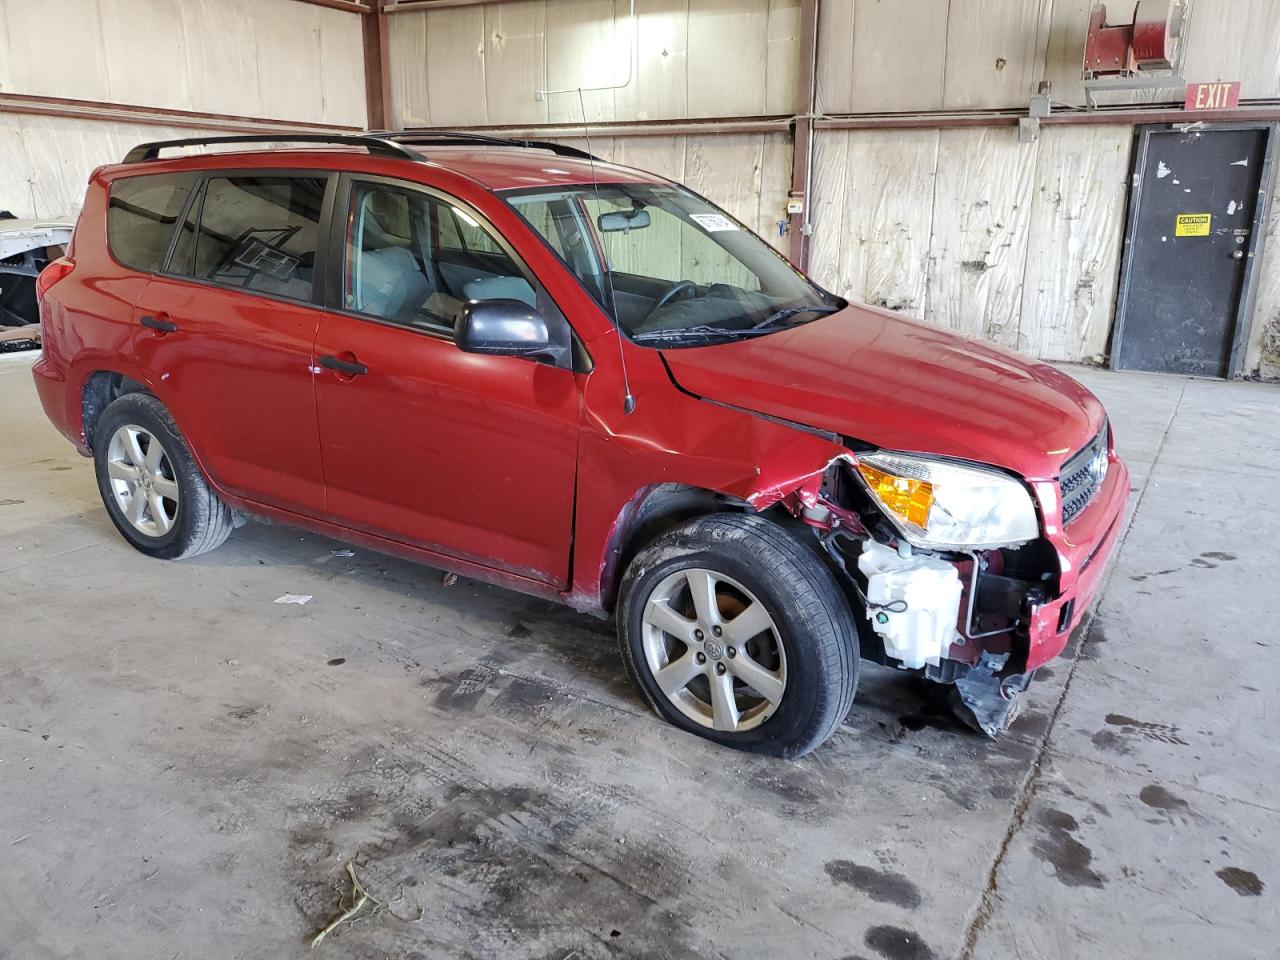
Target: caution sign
{"points": [[1193, 225]]}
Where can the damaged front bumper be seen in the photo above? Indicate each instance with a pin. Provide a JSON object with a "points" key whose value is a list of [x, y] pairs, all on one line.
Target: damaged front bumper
{"points": [[1016, 609]]}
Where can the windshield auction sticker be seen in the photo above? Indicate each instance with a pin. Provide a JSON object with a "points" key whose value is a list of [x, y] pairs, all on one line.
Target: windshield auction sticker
{"points": [[712, 222], [1193, 225]]}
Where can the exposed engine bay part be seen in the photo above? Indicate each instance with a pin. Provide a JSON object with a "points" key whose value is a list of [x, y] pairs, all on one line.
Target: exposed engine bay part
{"points": [[913, 602]]}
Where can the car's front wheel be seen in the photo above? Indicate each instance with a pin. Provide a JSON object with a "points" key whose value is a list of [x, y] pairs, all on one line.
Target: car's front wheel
{"points": [[734, 630], [150, 484]]}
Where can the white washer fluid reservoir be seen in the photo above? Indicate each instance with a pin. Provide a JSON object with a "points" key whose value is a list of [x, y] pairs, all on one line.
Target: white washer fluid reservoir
{"points": [[930, 588]]}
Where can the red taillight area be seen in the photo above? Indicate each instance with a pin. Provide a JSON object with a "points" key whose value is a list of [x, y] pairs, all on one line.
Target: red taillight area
{"points": [[51, 274]]}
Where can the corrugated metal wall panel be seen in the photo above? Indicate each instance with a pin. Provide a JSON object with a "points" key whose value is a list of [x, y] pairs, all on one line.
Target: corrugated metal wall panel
{"points": [[519, 38], [862, 68], [455, 65], [1073, 245], [255, 58], [410, 69], [47, 160], [1262, 353], [995, 52], [661, 86], [585, 47], [874, 221], [982, 204], [970, 229]]}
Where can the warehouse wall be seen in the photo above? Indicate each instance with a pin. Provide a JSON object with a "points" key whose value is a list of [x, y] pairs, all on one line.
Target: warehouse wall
{"points": [[255, 59], [966, 227]]}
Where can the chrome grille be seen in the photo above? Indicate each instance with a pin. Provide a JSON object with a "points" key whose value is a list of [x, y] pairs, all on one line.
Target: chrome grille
{"points": [[1082, 475]]}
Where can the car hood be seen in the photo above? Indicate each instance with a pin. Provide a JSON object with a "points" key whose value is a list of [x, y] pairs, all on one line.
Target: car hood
{"points": [[898, 383]]}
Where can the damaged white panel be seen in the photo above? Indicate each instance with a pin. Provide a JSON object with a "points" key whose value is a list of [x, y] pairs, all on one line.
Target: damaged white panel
{"points": [[994, 52], [1076, 231], [874, 213], [982, 206]]}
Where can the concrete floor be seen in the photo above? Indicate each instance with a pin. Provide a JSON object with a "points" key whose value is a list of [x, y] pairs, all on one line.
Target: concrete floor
{"points": [[185, 767]]}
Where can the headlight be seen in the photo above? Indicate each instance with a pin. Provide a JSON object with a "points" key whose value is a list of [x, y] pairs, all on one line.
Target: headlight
{"points": [[934, 503]]}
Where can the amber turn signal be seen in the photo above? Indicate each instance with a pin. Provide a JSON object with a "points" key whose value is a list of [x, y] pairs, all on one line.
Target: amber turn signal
{"points": [[908, 498]]}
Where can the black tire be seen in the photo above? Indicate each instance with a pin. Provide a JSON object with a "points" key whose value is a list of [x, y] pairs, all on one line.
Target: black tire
{"points": [[200, 522], [809, 611]]}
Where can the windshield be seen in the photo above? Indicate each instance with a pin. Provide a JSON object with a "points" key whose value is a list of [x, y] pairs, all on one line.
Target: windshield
{"points": [[667, 265]]}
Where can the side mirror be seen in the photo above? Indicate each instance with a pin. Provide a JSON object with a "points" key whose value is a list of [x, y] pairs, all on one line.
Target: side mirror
{"points": [[506, 328]]}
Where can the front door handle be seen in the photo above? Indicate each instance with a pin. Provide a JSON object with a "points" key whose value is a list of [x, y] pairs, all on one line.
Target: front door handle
{"points": [[158, 323], [349, 367]]}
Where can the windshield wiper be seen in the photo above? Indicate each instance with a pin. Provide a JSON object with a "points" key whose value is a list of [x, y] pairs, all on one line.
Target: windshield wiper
{"points": [[698, 332], [789, 312]]}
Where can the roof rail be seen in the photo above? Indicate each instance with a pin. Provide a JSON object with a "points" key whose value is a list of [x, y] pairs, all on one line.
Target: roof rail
{"points": [[375, 143], [461, 138]]}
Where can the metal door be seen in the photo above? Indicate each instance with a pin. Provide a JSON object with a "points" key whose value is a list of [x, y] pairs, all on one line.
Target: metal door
{"points": [[1190, 249]]}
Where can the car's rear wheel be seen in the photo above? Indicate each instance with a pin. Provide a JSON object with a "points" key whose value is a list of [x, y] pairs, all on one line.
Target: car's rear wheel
{"points": [[150, 484], [734, 630]]}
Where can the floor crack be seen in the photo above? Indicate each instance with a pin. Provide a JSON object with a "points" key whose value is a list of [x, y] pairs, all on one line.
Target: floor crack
{"points": [[986, 905]]}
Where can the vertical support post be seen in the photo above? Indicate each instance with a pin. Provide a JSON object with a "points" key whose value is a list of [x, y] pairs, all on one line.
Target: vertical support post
{"points": [[802, 136], [377, 66]]}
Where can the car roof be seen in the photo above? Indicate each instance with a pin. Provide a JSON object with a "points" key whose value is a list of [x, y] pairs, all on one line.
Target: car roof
{"points": [[495, 166], [507, 168]]}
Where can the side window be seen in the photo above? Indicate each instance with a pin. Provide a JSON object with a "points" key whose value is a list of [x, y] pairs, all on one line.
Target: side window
{"points": [[414, 259], [257, 232], [141, 213]]}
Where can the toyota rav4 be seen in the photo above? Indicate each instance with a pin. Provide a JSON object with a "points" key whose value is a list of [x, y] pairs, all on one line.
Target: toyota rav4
{"points": [[513, 361]]}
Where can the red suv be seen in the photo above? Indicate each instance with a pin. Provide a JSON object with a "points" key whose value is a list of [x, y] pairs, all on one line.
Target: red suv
{"points": [[585, 382]]}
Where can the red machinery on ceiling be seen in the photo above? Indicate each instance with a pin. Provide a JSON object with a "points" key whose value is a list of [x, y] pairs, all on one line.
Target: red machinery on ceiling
{"points": [[1150, 43]]}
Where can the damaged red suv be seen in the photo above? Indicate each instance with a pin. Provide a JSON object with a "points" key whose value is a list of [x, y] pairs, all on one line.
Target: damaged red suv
{"points": [[585, 382]]}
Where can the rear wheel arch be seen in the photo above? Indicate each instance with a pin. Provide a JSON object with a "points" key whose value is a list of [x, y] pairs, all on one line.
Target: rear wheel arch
{"points": [[101, 388]]}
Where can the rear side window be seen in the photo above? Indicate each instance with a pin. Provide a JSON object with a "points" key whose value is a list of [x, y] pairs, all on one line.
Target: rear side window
{"points": [[257, 233], [141, 213]]}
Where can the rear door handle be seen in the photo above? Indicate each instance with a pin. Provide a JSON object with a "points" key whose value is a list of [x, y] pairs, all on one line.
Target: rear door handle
{"points": [[349, 367], [156, 323]]}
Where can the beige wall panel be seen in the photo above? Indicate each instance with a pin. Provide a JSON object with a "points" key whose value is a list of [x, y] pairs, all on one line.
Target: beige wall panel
{"points": [[1262, 352], [79, 70], [873, 223], [727, 168], [1073, 247], [143, 41], [826, 208], [782, 61], [517, 54], [16, 194], [775, 184], [728, 50], [994, 52], [661, 155], [899, 55], [981, 210], [659, 90], [835, 56], [584, 49], [407, 45], [222, 62], [1235, 40], [455, 66], [288, 67], [341, 68]]}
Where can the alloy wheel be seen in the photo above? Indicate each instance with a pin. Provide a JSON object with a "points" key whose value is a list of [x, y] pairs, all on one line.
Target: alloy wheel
{"points": [[714, 650], [142, 480]]}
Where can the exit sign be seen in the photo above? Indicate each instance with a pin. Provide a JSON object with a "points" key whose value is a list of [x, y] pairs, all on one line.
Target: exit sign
{"points": [[1213, 96]]}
